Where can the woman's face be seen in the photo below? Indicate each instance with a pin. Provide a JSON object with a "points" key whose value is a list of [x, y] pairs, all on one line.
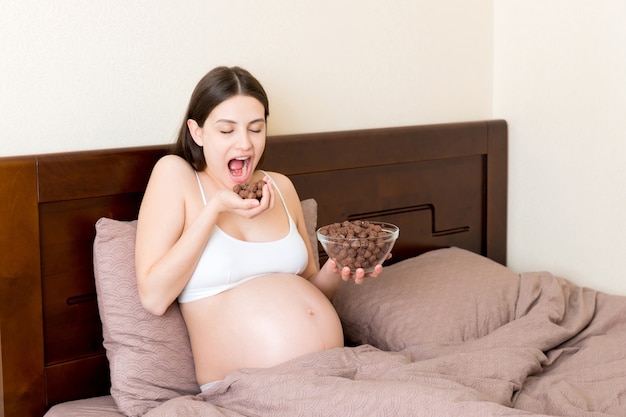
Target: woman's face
{"points": [[233, 139]]}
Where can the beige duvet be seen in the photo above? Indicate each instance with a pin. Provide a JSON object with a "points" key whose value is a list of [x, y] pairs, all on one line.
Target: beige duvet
{"points": [[456, 335], [563, 354]]}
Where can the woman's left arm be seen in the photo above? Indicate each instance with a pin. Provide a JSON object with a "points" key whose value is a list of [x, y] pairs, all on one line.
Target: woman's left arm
{"points": [[328, 279]]}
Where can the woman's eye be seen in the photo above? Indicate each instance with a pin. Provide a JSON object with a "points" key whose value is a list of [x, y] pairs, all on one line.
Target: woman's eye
{"points": [[255, 130], [226, 132]]}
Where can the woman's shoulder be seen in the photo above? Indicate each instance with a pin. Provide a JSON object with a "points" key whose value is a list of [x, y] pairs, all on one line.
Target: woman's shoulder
{"points": [[281, 180], [170, 171], [286, 187], [174, 162], [172, 165]]}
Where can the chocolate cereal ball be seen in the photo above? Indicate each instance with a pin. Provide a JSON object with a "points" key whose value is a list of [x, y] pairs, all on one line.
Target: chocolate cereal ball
{"points": [[250, 190], [358, 243]]}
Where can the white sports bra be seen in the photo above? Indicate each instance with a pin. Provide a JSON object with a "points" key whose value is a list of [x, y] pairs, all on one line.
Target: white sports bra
{"points": [[227, 262]]}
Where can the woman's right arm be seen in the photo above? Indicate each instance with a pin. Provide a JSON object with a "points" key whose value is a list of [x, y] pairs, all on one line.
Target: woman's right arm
{"points": [[168, 244], [166, 253]]}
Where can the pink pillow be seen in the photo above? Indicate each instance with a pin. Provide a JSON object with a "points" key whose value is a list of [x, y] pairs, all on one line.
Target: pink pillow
{"points": [[149, 356], [309, 208], [442, 296]]}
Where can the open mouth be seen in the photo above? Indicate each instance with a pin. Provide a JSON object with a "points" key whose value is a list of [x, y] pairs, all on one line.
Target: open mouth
{"points": [[239, 168]]}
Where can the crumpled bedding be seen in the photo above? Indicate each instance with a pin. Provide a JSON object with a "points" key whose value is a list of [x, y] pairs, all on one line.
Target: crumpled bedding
{"points": [[563, 354]]}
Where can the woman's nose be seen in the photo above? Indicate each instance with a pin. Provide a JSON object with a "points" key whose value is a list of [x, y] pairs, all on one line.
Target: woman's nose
{"points": [[243, 141]]}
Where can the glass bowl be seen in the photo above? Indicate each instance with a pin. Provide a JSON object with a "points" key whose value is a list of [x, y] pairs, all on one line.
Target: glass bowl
{"points": [[358, 243]]}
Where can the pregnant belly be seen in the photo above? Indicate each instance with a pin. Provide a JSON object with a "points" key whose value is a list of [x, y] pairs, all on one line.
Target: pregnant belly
{"points": [[259, 324]]}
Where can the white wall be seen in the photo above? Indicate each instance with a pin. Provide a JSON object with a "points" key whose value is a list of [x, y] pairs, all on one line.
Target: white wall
{"points": [[560, 81], [104, 73], [99, 74]]}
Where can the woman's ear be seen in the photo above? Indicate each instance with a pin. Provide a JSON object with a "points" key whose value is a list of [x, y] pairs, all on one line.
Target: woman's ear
{"points": [[196, 131]]}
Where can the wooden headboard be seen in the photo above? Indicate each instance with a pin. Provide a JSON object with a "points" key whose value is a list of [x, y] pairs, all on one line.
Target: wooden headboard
{"points": [[443, 185]]}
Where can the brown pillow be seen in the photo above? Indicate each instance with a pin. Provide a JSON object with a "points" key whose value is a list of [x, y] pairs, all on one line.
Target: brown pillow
{"points": [[443, 296], [149, 356]]}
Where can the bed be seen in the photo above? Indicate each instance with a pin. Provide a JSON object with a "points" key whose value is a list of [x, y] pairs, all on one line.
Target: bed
{"points": [[447, 329]]}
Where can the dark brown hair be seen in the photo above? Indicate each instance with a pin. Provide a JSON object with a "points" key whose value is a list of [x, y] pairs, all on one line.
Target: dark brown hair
{"points": [[218, 85]]}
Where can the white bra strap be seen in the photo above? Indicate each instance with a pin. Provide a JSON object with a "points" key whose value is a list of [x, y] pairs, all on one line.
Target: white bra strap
{"points": [[201, 188], [279, 193]]}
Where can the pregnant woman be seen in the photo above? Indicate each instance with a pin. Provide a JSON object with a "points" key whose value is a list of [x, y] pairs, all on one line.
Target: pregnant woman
{"points": [[242, 269]]}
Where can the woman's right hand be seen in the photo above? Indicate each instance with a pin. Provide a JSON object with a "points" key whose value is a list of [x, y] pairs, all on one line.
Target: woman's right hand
{"points": [[229, 201]]}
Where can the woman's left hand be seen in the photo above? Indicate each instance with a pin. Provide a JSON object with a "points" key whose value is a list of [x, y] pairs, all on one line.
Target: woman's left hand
{"points": [[359, 274]]}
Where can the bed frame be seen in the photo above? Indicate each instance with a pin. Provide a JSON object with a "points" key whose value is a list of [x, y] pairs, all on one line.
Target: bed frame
{"points": [[443, 185]]}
